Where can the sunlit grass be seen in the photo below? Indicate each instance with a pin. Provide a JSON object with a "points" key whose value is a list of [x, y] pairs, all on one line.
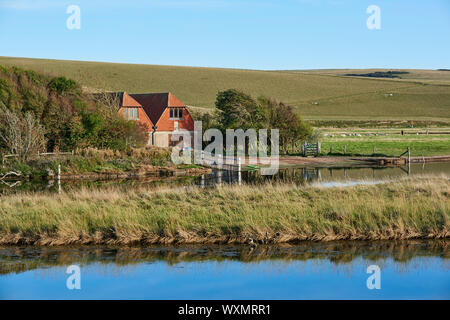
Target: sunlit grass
{"points": [[411, 208], [314, 95], [388, 145]]}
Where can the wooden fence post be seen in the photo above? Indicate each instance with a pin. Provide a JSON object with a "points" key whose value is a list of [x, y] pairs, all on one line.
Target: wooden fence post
{"points": [[220, 160], [239, 171], [59, 178], [345, 149]]}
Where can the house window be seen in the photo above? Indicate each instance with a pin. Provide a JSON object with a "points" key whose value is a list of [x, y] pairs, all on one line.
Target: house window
{"points": [[176, 113], [131, 113]]}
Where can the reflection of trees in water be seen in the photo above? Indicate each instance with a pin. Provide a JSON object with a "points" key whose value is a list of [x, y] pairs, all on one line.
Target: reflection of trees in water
{"points": [[20, 259], [307, 174], [291, 175], [42, 186]]}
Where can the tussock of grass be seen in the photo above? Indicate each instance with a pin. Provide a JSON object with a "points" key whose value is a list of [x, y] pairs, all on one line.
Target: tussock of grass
{"points": [[412, 208]]}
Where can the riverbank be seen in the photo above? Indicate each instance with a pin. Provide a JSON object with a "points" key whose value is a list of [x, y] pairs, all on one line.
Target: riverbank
{"points": [[336, 161], [406, 209], [97, 165]]}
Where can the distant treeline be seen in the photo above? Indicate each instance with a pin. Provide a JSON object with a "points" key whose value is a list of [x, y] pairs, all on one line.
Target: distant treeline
{"points": [[379, 74]]}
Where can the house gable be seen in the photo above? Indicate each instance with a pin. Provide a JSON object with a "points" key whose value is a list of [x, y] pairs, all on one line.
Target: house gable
{"points": [[128, 102], [165, 123], [154, 104], [158, 105]]}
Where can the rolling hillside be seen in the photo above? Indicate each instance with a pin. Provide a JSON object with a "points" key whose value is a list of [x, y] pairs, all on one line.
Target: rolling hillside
{"points": [[316, 94]]}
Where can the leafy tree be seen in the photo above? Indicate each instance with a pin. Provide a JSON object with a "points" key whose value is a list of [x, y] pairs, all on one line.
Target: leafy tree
{"points": [[238, 110]]}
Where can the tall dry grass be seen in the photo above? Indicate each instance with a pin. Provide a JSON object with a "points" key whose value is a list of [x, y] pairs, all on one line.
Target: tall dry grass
{"points": [[148, 152], [411, 208]]}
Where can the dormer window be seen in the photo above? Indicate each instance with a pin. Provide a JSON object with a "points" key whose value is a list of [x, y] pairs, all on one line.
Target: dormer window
{"points": [[176, 113], [131, 113]]}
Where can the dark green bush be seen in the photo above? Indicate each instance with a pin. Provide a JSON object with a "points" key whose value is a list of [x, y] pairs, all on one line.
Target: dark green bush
{"points": [[62, 85]]}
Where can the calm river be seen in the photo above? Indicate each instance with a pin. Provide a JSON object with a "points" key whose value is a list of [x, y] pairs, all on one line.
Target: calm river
{"points": [[337, 270], [316, 176]]}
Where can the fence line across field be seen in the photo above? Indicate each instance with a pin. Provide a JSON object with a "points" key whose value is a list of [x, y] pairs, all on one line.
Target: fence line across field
{"points": [[43, 154], [55, 153]]}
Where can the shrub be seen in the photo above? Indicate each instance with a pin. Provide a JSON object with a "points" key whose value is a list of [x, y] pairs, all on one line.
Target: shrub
{"points": [[62, 85]]}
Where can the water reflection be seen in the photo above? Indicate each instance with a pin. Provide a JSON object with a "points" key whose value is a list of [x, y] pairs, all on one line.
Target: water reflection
{"points": [[16, 259], [335, 270], [324, 176], [317, 176]]}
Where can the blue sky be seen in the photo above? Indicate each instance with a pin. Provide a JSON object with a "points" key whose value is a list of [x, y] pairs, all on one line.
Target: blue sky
{"points": [[253, 34]]}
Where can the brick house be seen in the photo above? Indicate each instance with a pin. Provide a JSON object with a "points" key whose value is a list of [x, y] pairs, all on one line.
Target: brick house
{"points": [[162, 113]]}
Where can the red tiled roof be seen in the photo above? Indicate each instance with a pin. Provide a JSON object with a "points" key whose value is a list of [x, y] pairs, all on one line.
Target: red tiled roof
{"points": [[155, 103], [124, 98], [128, 101]]}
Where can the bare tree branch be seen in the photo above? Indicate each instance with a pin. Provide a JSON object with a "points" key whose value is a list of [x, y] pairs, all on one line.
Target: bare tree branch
{"points": [[22, 135]]}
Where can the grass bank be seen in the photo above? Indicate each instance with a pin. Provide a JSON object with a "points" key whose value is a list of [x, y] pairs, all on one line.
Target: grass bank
{"points": [[413, 208], [91, 163]]}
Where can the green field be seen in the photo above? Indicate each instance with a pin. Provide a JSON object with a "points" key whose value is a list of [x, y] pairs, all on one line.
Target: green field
{"points": [[317, 95], [391, 144]]}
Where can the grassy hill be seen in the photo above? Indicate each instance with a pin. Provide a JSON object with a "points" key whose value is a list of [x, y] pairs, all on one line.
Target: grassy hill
{"points": [[423, 76], [316, 94]]}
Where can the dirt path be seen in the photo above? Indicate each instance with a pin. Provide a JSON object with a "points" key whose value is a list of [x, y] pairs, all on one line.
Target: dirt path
{"points": [[338, 161]]}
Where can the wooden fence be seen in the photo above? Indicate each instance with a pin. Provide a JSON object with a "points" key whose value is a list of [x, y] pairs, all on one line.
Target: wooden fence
{"points": [[221, 162], [44, 154]]}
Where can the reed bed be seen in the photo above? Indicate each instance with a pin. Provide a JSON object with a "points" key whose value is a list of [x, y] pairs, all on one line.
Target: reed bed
{"points": [[272, 213]]}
